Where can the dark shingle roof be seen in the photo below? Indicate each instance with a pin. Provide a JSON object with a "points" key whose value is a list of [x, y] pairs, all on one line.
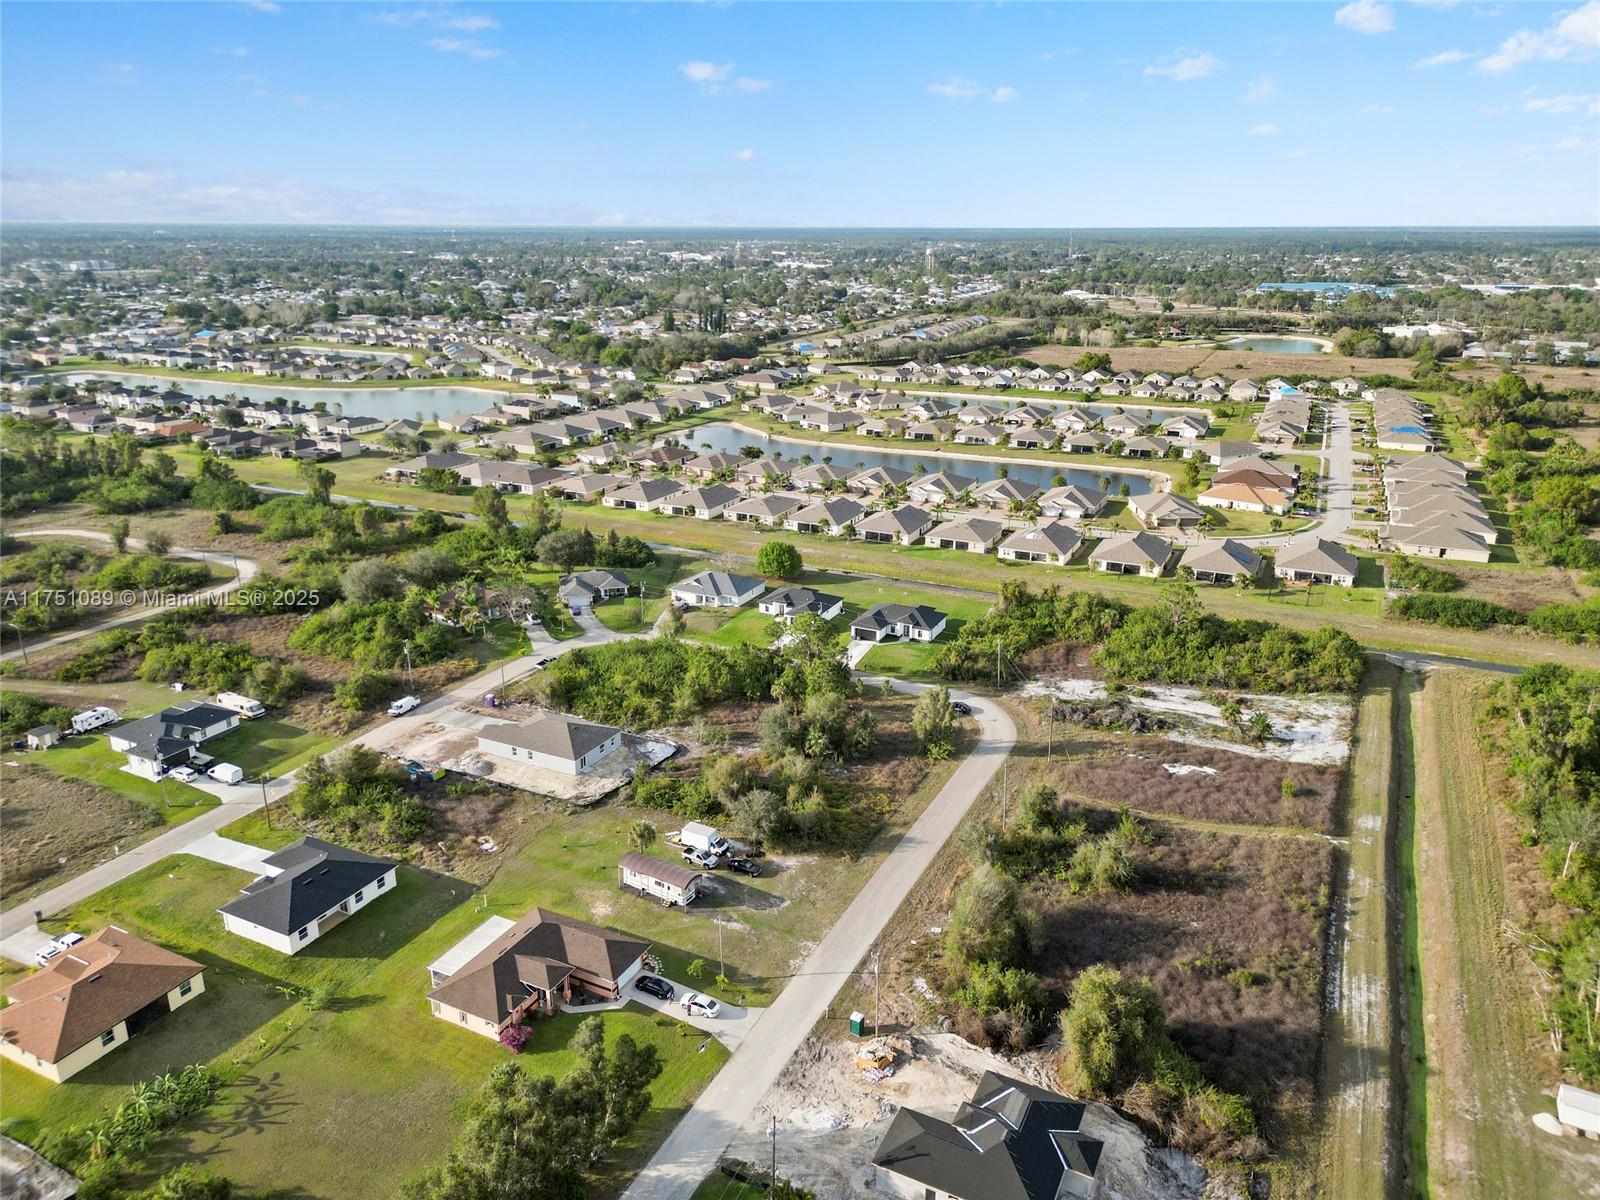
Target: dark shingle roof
{"points": [[314, 877]]}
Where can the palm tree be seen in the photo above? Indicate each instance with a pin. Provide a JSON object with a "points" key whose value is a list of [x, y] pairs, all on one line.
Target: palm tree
{"points": [[641, 835]]}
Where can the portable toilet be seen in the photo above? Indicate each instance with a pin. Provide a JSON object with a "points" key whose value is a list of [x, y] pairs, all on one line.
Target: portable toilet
{"points": [[858, 1024]]}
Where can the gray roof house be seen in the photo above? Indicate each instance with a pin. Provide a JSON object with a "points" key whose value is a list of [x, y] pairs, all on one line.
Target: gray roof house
{"points": [[1133, 554], [917, 622], [1221, 561], [790, 602], [168, 739], [552, 741], [826, 516], [647, 495], [1011, 1141], [717, 589], [905, 524], [1317, 560], [764, 510], [306, 889], [1048, 542], [973, 534], [583, 588]]}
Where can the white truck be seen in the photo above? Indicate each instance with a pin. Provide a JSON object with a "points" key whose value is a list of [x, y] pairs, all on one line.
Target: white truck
{"points": [[698, 836], [243, 705], [93, 718]]}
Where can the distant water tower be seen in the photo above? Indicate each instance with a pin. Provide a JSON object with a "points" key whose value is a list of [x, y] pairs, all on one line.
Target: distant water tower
{"points": [[927, 261]]}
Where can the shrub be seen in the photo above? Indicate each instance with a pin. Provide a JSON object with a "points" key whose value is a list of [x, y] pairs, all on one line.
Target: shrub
{"points": [[365, 689], [515, 1037], [779, 560], [1417, 576], [992, 921], [1453, 612]]}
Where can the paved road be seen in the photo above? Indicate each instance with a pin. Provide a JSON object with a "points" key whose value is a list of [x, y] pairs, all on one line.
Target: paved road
{"points": [[246, 571], [691, 1151], [1339, 459]]}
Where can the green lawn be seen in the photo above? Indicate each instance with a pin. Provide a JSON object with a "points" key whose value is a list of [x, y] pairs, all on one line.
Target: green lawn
{"points": [[91, 758], [717, 1186], [319, 1097], [268, 746]]}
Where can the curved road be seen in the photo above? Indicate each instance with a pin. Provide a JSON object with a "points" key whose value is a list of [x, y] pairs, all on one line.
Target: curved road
{"points": [[691, 1151], [246, 571]]}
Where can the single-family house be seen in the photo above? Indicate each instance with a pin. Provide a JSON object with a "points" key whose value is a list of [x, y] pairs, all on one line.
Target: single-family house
{"points": [[1166, 510], [976, 535], [787, 603], [167, 739], [905, 524], [707, 503], [647, 495], [582, 590], [552, 741], [1048, 542], [1012, 1141], [304, 890], [1132, 554], [1073, 501], [1221, 561], [90, 999], [769, 509], [533, 966], [916, 622], [1246, 498], [938, 487], [1316, 560], [717, 589], [833, 517]]}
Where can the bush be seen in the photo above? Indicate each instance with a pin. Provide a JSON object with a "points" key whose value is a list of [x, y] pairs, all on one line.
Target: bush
{"points": [[644, 683], [20, 712], [355, 792], [992, 921], [1417, 576], [365, 689], [1453, 612], [515, 1037], [1578, 622]]}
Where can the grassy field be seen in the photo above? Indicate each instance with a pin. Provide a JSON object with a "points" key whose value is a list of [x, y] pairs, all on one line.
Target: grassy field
{"points": [[1487, 1062], [268, 746], [91, 758]]}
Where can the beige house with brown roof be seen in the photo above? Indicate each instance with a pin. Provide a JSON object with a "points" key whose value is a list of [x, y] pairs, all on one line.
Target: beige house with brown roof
{"points": [[91, 999], [500, 973]]}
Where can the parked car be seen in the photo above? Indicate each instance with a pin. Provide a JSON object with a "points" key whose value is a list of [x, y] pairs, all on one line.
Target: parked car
{"points": [[404, 705], [743, 866], [652, 986], [697, 1005], [65, 942], [184, 774], [702, 858], [961, 708]]}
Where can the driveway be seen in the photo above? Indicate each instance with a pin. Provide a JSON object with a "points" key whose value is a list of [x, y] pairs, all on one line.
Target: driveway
{"points": [[246, 571], [691, 1151], [241, 855], [730, 1026]]}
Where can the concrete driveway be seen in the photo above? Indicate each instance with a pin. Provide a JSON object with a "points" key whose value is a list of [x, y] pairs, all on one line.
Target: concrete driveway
{"points": [[730, 1025], [215, 848]]}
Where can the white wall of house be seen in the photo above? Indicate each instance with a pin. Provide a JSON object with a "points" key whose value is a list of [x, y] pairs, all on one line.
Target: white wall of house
{"points": [[297, 940], [549, 761], [660, 888], [455, 1016]]}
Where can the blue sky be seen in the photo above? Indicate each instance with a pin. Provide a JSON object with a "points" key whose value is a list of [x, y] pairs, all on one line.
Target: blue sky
{"points": [[1375, 112]]}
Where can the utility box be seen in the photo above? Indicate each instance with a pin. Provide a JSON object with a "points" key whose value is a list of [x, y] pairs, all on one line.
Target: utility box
{"points": [[858, 1024]]}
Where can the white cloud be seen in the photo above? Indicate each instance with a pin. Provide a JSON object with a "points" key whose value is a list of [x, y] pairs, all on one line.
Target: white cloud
{"points": [[1297, 152], [456, 20], [1561, 106], [1442, 59], [232, 51], [261, 6], [1365, 16], [471, 47], [1576, 145], [747, 154], [1375, 110], [1185, 66], [1265, 130], [1262, 87], [715, 78], [1004, 95], [957, 88], [1575, 36]]}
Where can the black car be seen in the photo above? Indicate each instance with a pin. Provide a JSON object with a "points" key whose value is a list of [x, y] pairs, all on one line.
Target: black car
{"points": [[961, 708], [659, 988], [744, 866]]}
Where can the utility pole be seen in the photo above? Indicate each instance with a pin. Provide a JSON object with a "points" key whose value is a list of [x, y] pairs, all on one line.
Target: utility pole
{"points": [[266, 809], [773, 1134], [410, 678], [877, 991]]}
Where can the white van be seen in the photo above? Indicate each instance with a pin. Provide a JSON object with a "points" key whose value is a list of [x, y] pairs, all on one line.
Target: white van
{"points": [[93, 718], [242, 705], [226, 773]]}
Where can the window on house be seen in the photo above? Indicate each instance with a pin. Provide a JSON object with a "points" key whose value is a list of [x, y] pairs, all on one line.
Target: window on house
{"points": [[186, 987], [359, 896], [382, 881], [304, 933], [463, 1017], [108, 1037]]}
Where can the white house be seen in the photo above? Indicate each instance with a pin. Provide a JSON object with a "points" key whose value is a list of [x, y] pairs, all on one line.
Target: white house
{"points": [[717, 589], [555, 742], [304, 890], [917, 622], [167, 739], [668, 882]]}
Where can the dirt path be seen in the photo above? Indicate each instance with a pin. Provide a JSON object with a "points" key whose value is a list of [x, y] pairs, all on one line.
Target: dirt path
{"points": [[1485, 1060], [1362, 1136]]}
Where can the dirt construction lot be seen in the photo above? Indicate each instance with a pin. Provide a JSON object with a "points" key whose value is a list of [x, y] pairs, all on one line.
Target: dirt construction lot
{"points": [[57, 827]]}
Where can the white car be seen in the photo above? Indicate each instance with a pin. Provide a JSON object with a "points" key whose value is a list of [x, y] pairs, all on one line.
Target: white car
{"points": [[184, 774], [697, 1005], [403, 705], [65, 942]]}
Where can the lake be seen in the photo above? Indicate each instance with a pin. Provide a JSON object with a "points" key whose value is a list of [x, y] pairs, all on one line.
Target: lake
{"points": [[386, 404], [1277, 345], [730, 440]]}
